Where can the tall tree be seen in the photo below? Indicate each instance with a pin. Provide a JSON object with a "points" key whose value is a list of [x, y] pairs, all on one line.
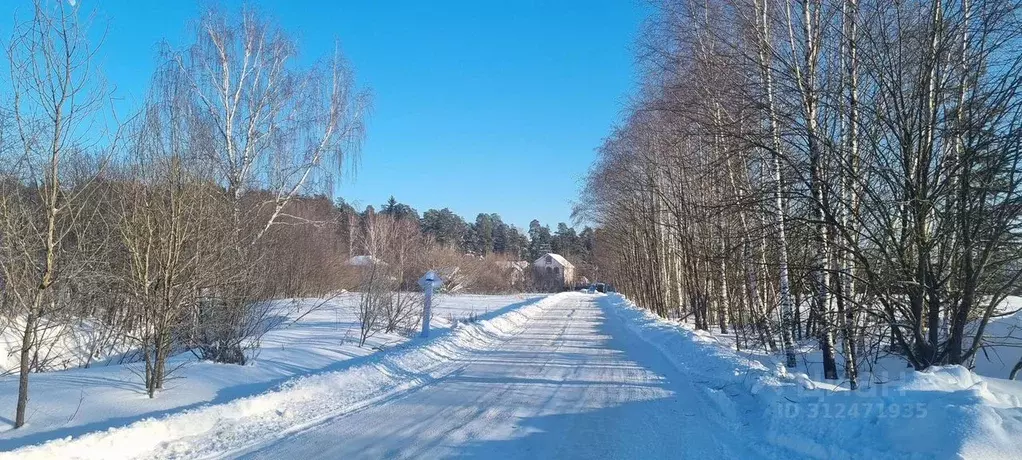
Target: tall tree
{"points": [[57, 94], [483, 234], [446, 227], [272, 122], [540, 240], [271, 127]]}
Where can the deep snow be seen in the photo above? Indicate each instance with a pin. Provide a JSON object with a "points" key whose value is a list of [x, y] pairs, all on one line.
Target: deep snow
{"points": [[77, 401], [573, 383], [569, 376], [1003, 337], [946, 412]]}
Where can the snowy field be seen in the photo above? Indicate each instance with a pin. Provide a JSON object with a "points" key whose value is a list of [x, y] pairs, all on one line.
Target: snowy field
{"points": [[75, 401]]}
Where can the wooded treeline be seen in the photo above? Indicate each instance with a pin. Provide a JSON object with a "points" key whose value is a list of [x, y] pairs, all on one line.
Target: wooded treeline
{"points": [[844, 173], [473, 257], [490, 235]]}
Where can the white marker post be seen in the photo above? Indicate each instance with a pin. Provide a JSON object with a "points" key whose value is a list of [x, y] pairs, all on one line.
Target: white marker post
{"points": [[429, 281]]}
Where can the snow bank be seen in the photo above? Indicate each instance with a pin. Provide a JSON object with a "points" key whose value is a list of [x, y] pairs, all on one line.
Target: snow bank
{"points": [[298, 404], [1002, 341], [61, 346], [310, 336], [946, 412]]}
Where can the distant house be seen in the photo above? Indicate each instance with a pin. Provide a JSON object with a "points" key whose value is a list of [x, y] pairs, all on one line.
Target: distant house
{"points": [[516, 270], [552, 272], [454, 280]]}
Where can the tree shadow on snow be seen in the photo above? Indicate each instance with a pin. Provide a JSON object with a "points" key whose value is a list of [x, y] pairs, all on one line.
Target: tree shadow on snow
{"points": [[670, 426]]}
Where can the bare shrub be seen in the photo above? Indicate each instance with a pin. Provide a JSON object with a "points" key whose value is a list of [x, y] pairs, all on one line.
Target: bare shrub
{"points": [[403, 312], [377, 296]]}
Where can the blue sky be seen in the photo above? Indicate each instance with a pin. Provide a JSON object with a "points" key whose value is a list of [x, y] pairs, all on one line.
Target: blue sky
{"points": [[479, 106]]}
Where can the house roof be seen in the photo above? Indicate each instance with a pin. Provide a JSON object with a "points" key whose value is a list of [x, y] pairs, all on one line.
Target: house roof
{"points": [[362, 261], [557, 258]]}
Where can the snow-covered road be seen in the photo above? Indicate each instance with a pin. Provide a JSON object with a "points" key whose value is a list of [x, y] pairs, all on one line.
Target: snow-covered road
{"points": [[575, 382], [564, 376]]}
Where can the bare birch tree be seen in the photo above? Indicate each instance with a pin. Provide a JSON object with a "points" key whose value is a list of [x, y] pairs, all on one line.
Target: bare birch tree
{"points": [[862, 156], [273, 129]]}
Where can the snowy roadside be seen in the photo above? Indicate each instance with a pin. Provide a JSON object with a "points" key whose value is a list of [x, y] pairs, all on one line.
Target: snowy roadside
{"points": [[946, 412], [108, 411]]}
